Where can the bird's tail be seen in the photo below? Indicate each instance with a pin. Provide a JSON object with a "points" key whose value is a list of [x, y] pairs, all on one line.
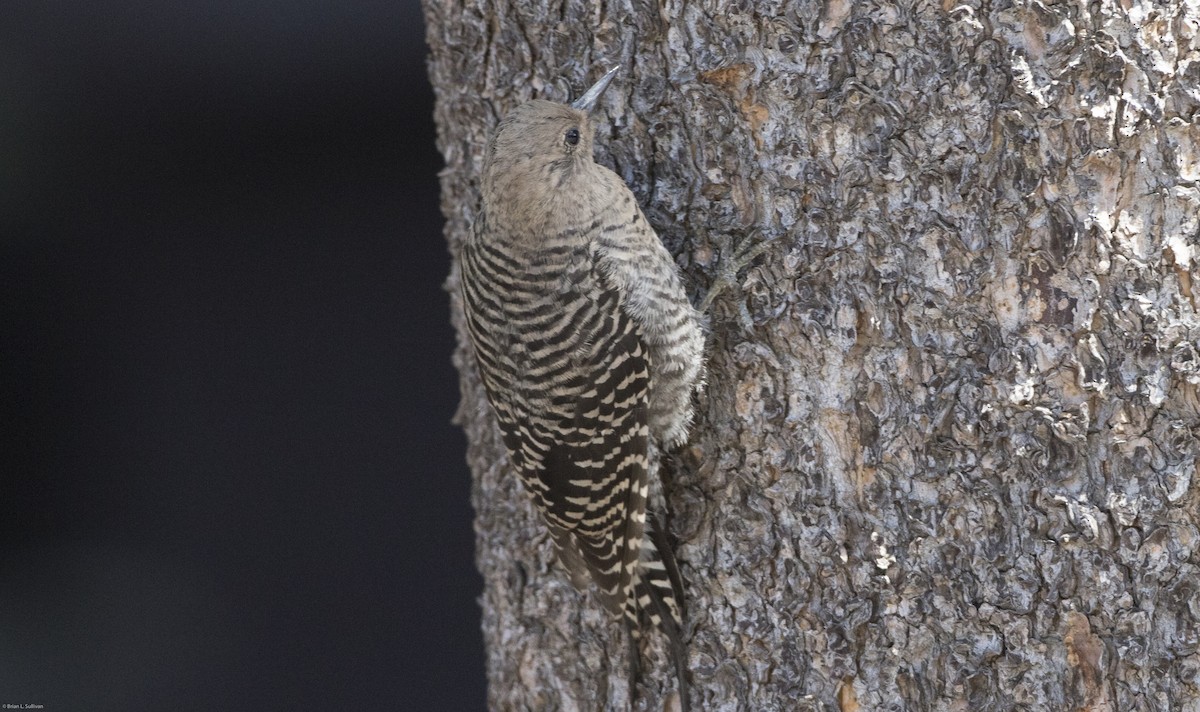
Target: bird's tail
{"points": [[658, 599]]}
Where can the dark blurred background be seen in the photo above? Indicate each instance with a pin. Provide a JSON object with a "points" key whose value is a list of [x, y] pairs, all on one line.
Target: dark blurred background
{"points": [[228, 479]]}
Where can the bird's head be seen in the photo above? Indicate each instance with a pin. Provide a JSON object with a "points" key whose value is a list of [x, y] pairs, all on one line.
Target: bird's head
{"points": [[541, 144]]}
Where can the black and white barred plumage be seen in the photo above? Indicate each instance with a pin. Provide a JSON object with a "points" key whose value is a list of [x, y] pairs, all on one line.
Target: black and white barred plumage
{"points": [[589, 351]]}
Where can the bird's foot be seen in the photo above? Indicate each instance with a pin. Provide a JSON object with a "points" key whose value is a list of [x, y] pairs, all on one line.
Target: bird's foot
{"points": [[731, 261]]}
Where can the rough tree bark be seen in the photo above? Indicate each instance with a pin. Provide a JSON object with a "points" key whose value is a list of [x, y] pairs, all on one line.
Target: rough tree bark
{"points": [[947, 456]]}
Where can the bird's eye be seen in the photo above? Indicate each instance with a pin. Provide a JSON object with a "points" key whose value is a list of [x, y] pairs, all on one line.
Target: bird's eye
{"points": [[572, 137]]}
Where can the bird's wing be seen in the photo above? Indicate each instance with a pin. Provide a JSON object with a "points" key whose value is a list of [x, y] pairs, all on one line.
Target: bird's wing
{"points": [[592, 479], [583, 452]]}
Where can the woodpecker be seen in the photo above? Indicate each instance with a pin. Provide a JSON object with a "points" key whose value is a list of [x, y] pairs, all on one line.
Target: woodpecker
{"points": [[590, 353]]}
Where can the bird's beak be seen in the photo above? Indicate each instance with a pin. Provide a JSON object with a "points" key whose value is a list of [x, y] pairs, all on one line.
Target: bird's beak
{"points": [[587, 102]]}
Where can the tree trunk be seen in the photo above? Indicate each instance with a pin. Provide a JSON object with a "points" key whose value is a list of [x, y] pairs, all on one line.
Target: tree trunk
{"points": [[947, 453]]}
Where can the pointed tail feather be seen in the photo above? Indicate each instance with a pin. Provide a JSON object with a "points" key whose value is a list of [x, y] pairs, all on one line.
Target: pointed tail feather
{"points": [[658, 593]]}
